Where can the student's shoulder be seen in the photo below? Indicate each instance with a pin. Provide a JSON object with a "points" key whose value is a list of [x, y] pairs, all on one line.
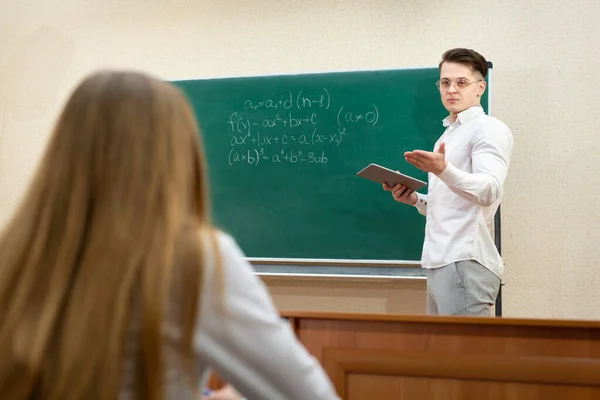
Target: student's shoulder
{"points": [[219, 244], [224, 256], [214, 238], [225, 240]]}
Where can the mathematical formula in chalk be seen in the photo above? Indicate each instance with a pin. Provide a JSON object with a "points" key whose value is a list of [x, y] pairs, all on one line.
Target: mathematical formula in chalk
{"points": [[295, 128], [299, 101], [311, 139], [257, 156]]}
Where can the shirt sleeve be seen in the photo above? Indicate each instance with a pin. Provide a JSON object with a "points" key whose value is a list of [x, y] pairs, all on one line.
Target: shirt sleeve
{"points": [[490, 157], [421, 203], [248, 344]]}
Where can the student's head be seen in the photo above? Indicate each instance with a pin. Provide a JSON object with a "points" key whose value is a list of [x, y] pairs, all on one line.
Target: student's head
{"points": [[110, 223], [462, 79]]}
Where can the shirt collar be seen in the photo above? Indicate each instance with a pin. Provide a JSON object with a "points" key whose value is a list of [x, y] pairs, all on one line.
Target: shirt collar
{"points": [[465, 115]]}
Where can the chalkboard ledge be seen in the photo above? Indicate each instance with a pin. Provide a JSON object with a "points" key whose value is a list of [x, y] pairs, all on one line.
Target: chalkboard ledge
{"points": [[340, 272], [334, 262]]}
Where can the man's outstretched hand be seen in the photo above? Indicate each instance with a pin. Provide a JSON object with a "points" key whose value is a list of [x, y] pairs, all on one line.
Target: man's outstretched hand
{"points": [[428, 161]]}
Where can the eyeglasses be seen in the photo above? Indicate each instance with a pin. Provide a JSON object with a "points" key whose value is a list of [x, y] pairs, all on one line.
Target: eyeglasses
{"points": [[460, 84]]}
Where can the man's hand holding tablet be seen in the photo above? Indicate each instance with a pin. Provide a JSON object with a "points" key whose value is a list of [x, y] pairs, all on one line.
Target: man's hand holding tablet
{"points": [[403, 187]]}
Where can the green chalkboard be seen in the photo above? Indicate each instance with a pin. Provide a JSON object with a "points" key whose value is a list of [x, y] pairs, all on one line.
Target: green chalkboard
{"points": [[283, 153]]}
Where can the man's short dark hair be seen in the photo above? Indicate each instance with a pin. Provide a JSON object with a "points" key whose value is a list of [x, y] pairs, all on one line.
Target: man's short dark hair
{"points": [[467, 57]]}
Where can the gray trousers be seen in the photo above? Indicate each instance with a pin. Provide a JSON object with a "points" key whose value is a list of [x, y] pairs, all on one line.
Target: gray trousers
{"points": [[461, 288]]}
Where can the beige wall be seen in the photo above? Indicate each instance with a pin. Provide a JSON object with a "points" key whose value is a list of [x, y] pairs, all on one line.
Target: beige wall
{"points": [[545, 87]]}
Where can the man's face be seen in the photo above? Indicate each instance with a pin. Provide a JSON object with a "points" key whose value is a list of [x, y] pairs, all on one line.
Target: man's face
{"points": [[460, 87]]}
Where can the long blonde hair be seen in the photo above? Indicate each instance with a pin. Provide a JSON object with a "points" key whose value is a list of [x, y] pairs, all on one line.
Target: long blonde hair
{"points": [[114, 214]]}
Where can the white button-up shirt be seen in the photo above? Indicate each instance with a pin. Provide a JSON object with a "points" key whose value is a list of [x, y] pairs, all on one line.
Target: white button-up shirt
{"points": [[462, 200], [239, 335]]}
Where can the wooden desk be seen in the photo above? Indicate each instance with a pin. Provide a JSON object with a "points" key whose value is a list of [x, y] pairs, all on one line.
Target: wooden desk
{"points": [[426, 357]]}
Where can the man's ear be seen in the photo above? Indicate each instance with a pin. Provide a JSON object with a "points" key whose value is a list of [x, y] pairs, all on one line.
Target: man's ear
{"points": [[482, 86]]}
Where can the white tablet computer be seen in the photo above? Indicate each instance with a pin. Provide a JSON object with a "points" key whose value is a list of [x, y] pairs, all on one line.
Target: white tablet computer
{"points": [[379, 174]]}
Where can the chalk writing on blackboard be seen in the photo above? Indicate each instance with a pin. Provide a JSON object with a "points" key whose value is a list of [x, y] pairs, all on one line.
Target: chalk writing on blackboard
{"points": [[256, 156], [295, 127]]}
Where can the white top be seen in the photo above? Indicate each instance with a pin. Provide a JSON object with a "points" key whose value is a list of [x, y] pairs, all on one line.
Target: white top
{"points": [[461, 201], [243, 340]]}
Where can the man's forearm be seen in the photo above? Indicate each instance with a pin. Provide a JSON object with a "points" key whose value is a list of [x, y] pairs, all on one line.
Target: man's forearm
{"points": [[480, 188]]}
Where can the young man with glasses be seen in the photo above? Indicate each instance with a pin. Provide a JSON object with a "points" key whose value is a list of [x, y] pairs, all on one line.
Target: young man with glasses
{"points": [[466, 173]]}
